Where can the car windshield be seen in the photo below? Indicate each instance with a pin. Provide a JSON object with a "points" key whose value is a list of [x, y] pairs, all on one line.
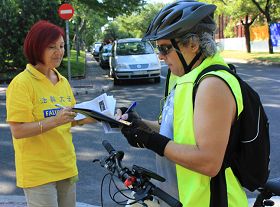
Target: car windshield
{"points": [[134, 48], [107, 48], [97, 46]]}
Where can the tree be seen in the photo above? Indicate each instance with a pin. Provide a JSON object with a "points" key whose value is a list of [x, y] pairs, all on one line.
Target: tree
{"points": [[8, 26], [111, 8], [247, 22], [267, 8], [135, 24], [17, 16], [94, 14], [239, 11], [245, 13]]}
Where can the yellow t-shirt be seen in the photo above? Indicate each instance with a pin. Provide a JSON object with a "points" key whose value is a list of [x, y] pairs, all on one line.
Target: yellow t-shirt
{"points": [[50, 156]]}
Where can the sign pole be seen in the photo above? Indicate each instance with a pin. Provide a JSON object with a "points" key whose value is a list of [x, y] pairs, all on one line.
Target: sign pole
{"points": [[66, 12], [68, 50]]}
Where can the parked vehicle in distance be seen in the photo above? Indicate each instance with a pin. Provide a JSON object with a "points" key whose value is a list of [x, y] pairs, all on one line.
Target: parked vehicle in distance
{"points": [[104, 54], [95, 51], [134, 59]]}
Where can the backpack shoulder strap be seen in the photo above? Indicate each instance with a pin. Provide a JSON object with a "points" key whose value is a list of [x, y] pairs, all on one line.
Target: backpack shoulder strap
{"points": [[218, 187], [211, 68]]}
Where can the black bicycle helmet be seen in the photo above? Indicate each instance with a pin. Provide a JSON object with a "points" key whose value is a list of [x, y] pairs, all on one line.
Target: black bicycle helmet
{"points": [[182, 17]]}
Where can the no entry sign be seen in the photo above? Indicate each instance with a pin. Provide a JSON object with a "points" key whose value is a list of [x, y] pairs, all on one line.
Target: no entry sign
{"points": [[66, 11]]}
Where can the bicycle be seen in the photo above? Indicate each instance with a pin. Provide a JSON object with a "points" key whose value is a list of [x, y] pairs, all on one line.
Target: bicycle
{"points": [[136, 180], [270, 189]]}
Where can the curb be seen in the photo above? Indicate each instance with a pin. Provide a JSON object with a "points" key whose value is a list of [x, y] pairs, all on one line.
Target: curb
{"points": [[19, 201], [257, 62]]}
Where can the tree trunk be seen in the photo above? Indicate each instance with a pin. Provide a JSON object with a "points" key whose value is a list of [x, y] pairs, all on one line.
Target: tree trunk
{"points": [[247, 37], [270, 46]]}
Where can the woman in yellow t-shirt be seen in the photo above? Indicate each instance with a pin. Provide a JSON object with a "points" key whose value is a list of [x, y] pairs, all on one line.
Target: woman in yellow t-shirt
{"points": [[44, 152]]}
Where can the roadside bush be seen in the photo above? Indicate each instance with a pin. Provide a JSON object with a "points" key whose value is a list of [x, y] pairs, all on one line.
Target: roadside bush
{"points": [[16, 18]]}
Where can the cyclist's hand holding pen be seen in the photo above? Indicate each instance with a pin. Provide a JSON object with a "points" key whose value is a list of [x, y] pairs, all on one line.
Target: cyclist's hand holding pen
{"points": [[127, 113], [139, 134]]}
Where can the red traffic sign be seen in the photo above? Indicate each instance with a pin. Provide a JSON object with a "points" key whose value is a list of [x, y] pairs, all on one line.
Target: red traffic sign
{"points": [[66, 11]]}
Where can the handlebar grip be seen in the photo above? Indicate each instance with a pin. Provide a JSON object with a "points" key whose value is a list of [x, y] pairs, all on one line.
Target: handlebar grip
{"points": [[108, 146], [166, 198]]}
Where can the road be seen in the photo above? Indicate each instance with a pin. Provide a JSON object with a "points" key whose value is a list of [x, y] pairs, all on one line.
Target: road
{"points": [[87, 139]]}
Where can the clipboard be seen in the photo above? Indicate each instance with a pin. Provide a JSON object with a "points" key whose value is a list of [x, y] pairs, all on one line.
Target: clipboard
{"points": [[101, 117]]}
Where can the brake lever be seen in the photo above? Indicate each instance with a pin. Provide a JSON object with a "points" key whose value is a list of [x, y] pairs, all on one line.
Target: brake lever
{"points": [[137, 170], [106, 162]]}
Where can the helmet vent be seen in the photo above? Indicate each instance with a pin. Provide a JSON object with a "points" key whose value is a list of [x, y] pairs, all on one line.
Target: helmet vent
{"points": [[177, 19]]}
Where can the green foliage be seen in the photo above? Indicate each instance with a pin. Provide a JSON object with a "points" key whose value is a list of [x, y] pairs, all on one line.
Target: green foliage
{"points": [[77, 68], [96, 13], [111, 8], [229, 30], [8, 31], [17, 16], [134, 25]]}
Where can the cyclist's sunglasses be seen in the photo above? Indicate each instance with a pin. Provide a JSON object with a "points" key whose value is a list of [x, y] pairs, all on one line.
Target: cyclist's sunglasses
{"points": [[165, 49]]}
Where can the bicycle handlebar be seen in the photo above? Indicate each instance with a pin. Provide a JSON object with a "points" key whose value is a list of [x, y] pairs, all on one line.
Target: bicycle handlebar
{"points": [[166, 197], [138, 177], [108, 146]]}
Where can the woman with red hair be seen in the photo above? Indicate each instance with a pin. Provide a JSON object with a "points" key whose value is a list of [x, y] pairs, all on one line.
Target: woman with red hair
{"points": [[44, 152]]}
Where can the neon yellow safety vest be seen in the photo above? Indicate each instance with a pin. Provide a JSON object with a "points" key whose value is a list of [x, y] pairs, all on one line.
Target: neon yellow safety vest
{"points": [[172, 82], [193, 187]]}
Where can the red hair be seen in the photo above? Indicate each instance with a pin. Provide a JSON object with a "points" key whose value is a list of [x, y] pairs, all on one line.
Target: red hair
{"points": [[39, 37]]}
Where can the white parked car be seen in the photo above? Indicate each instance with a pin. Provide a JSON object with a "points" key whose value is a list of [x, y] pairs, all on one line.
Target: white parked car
{"points": [[132, 58]]}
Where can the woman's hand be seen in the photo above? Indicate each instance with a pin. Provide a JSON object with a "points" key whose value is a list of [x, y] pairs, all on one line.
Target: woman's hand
{"points": [[64, 116]]}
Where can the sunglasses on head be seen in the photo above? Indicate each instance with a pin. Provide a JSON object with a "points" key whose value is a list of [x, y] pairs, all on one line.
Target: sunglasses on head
{"points": [[164, 49]]}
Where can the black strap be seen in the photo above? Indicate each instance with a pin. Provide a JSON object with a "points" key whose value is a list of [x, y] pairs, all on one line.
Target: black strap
{"points": [[167, 83], [210, 69], [195, 59], [218, 188], [181, 57], [187, 68]]}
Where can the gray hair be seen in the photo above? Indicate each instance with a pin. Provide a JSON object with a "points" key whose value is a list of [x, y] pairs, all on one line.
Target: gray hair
{"points": [[205, 40]]}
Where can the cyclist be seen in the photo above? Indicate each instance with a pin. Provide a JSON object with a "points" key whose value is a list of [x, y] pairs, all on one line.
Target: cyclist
{"points": [[194, 134]]}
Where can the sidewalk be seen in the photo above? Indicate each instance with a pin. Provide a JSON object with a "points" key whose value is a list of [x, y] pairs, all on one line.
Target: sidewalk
{"points": [[96, 79]]}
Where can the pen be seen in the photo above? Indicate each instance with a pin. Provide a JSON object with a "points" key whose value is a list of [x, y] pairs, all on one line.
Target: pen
{"points": [[60, 106], [130, 107]]}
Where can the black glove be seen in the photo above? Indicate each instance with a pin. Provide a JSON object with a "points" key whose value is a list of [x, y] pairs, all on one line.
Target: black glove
{"points": [[141, 136], [132, 115]]}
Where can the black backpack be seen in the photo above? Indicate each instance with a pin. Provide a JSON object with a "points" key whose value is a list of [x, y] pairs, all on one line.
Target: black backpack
{"points": [[249, 157]]}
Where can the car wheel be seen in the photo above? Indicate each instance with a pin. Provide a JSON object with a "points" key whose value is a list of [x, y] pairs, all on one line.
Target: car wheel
{"points": [[157, 80], [116, 81], [101, 64]]}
